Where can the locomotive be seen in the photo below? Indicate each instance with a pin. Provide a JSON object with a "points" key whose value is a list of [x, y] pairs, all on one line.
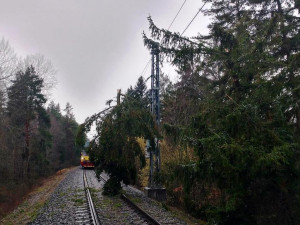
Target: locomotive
{"points": [[85, 161]]}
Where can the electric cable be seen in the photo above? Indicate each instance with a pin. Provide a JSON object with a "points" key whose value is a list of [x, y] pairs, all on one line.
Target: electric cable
{"points": [[177, 14], [146, 67], [193, 19]]}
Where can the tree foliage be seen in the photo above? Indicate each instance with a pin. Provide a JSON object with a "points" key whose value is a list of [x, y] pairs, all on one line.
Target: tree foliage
{"points": [[34, 141], [115, 149], [240, 113]]}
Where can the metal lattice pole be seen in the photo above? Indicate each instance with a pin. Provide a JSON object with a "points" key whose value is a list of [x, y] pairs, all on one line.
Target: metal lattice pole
{"points": [[152, 109], [157, 106], [155, 110]]}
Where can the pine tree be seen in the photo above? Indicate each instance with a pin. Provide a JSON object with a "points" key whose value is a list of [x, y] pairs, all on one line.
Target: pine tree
{"points": [[25, 109], [71, 153]]}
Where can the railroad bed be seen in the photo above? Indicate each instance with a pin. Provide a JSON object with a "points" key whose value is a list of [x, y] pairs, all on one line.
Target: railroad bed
{"points": [[69, 204]]}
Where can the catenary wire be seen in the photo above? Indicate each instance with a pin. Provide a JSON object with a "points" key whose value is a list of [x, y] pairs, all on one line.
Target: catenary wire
{"points": [[193, 19], [177, 14], [147, 65]]}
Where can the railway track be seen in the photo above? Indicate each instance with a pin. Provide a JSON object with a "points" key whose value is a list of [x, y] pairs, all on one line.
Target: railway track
{"points": [[86, 213], [71, 203], [144, 215]]}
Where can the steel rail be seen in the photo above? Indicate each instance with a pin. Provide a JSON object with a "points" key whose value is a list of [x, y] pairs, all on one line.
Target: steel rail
{"points": [[90, 201], [140, 211]]}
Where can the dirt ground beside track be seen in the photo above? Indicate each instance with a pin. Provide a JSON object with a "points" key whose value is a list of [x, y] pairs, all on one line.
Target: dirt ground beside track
{"points": [[35, 200]]}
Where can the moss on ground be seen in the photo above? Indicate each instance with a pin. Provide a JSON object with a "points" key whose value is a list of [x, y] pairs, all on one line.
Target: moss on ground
{"points": [[78, 201]]}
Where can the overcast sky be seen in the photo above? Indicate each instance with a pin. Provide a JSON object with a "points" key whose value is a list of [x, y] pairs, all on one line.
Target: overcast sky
{"points": [[95, 45]]}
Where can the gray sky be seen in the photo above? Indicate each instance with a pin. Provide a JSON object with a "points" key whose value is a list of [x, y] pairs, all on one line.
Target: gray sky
{"points": [[96, 45]]}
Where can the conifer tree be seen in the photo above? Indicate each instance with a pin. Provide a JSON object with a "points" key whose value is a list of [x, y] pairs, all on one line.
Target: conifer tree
{"points": [[115, 149], [245, 133], [25, 109]]}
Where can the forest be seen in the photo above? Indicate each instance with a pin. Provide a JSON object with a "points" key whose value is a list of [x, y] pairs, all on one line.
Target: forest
{"points": [[229, 132], [230, 126], [36, 137]]}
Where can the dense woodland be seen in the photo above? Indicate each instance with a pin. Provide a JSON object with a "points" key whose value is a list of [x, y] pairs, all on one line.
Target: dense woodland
{"points": [[230, 133], [35, 140]]}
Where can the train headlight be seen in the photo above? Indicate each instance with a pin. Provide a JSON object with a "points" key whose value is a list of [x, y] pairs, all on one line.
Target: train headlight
{"points": [[82, 158]]}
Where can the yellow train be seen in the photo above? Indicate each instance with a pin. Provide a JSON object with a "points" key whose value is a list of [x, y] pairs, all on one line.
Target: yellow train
{"points": [[85, 161]]}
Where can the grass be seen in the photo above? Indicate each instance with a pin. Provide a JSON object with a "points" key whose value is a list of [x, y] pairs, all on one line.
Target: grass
{"points": [[185, 217], [107, 202], [78, 201], [93, 190], [62, 206], [117, 205], [34, 213], [165, 206], [76, 190], [62, 194], [136, 200]]}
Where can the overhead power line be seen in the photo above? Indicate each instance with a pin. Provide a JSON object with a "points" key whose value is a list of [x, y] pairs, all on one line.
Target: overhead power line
{"points": [[145, 68], [193, 19], [177, 14], [148, 63]]}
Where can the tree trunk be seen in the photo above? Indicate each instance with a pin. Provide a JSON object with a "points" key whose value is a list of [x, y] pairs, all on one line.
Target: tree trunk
{"points": [[26, 150], [298, 119]]}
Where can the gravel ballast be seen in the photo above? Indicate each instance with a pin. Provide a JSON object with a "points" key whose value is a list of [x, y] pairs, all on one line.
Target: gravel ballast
{"points": [[64, 203], [67, 204]]}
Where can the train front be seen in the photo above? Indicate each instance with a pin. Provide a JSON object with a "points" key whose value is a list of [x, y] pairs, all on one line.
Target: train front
{"points": [[85, 161]]}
